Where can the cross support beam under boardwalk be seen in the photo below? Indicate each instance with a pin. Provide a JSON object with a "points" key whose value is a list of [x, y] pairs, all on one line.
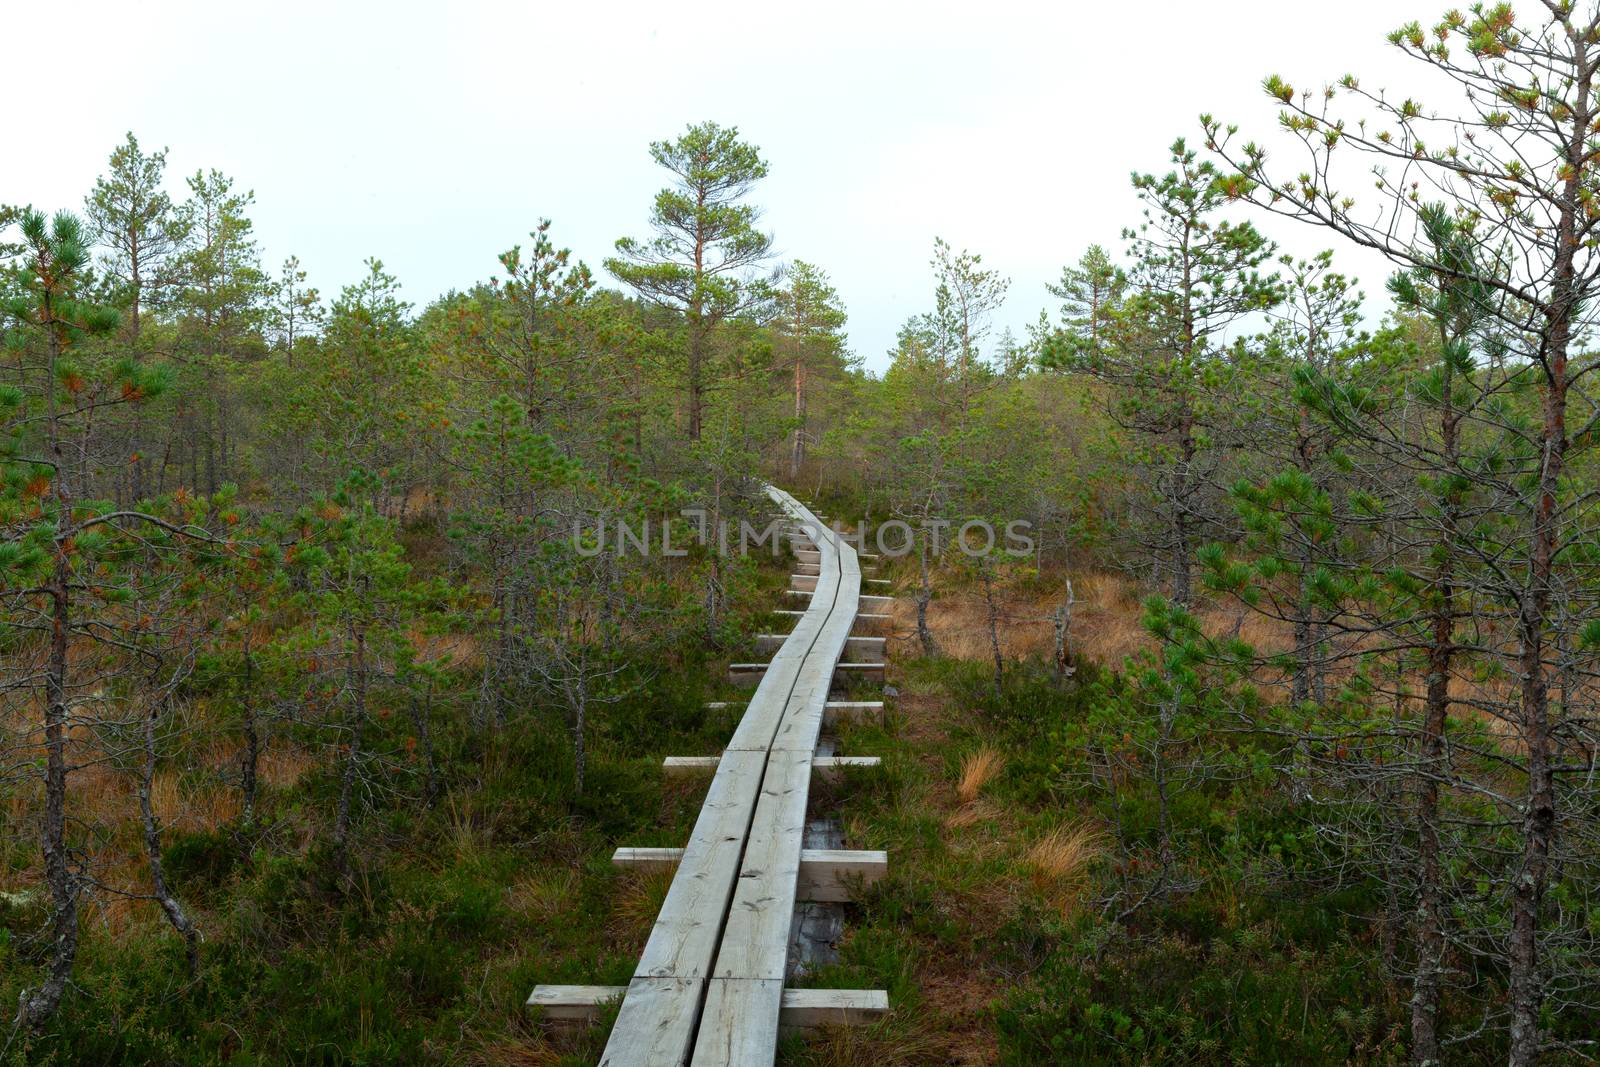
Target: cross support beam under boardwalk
{"points": [[858, 646], [800, 1009], [837, 711], [827, 767], [826, 874], [752, 673]]}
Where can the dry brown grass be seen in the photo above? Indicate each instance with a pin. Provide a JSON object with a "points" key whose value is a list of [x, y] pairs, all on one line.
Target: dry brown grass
{"points": [[281, 766], [535, 1052], [1060, 861], [1063, 855], [1107, 620], [978, 769], [194, 809], [883, 1045], [968, 815]]}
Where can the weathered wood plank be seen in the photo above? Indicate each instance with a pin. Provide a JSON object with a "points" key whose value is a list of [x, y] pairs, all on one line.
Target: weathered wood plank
{"points": [[647, 859], [811, 1008], [871, 647], [872, 672], [684, 766], [655, 1024], [739, 1027], [836, 711], [755, 941], [573, 1003], [833, 767], [828, 874], [746, 674]]}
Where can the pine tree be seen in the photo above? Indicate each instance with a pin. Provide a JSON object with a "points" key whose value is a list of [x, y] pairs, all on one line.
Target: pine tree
{"points": [[135, 219], [706, 246], [810, 331]]}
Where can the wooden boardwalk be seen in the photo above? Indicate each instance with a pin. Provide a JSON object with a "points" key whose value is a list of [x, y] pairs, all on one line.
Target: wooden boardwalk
{"points": [[709, 988]]}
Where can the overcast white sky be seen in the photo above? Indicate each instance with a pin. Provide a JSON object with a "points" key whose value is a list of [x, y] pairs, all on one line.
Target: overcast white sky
{"points": [[435, 134]]}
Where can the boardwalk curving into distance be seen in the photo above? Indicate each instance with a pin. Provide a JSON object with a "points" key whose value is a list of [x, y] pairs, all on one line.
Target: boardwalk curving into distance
{"points": [[709, 988]]}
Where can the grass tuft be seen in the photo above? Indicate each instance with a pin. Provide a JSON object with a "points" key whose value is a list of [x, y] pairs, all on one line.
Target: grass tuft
{"points": [[1060, 862], [978, 769]]}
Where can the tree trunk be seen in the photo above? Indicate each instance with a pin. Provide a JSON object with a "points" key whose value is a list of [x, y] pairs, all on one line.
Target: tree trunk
{"points": [[1300, 691], [347, 780], [1063, 627], [152, 846], [797, 456], [1430, 932], [1433, 765], [1182, 535], [994, 629], [1526, 987], [924, 594], [252, 742], [578, 696], [421, 713], [41, 1004]]}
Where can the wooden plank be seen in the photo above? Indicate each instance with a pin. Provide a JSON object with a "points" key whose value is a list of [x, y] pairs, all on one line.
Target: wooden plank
{"points": [[647, 859], [755, 942], [872, 672], [799, 1009], [807, 568], [655, 1024], [574, 1003], [873, 647], [836, 711], [875, 603], [746, 673], [739, 1027], [685, 766], [812, 1008], [828, 874], [832, 768], [803, 582]]}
